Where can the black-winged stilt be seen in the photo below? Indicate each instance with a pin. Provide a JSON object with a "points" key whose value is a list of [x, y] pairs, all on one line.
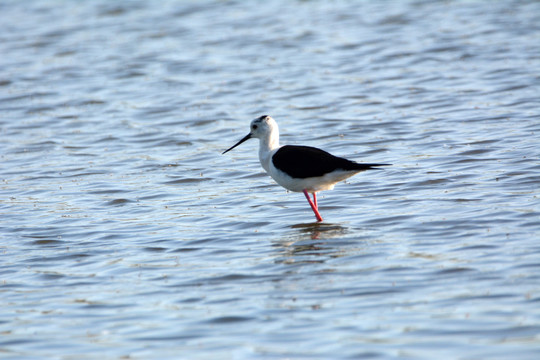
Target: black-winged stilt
{"points": [[299, 168]]}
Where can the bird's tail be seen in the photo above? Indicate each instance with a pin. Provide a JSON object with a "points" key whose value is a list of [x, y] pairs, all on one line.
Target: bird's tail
{"points": [[371, 166]]}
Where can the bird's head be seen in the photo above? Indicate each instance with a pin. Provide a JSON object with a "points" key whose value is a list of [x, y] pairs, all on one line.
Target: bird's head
{"points": [[264, 128]]}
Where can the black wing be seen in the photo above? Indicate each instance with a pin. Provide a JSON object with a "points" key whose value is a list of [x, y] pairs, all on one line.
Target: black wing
{"points": [[306, 161]]}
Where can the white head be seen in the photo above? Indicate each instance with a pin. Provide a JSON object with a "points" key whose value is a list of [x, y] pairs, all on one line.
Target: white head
{"points": [[263, 128]]}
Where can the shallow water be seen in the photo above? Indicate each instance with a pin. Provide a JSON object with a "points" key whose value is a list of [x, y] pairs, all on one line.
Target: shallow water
{"points": [[125, 233]]}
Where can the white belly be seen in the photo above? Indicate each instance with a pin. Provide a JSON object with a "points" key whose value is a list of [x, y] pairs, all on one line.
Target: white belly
{"points": [[311, 184]]}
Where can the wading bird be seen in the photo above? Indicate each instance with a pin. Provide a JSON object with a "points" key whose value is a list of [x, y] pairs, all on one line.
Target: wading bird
{"points": [[299, 168]]}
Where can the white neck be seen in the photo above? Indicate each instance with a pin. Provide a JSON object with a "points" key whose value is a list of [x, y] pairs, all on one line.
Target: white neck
{"points": [[267, 145]]}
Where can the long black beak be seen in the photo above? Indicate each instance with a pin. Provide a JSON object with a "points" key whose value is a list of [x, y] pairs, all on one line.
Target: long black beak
{"points": [[247, 137]]}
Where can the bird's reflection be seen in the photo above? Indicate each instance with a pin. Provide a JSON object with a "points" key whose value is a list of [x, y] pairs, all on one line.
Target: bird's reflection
{"points": [[308, 243], [319, 230]]}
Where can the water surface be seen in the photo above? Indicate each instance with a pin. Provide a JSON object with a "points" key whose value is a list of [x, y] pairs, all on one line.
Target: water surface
{"points": [[125, 233]]}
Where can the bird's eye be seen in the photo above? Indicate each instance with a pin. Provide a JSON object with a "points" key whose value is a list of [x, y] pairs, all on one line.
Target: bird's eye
{"points": [[254, 127]]}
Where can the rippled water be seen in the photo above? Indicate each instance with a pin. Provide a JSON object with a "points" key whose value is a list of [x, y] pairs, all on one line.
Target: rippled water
{"points": [[126, 234]]}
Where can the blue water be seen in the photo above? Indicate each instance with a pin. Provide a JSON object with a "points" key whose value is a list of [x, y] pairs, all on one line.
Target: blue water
{"points": [[124, 233]]}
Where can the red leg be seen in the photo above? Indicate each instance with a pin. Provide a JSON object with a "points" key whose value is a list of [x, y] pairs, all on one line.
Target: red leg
{"points": [[313, 207], [315, 201]]}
